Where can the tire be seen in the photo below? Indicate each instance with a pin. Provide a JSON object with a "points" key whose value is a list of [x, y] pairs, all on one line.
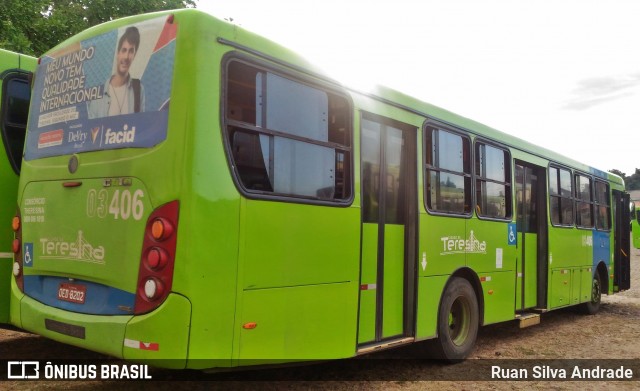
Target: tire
{"points": [[593, 306], [457, 322]]}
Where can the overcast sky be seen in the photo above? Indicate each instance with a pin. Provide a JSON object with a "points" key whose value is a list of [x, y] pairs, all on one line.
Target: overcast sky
{"points": [[563, 74]]}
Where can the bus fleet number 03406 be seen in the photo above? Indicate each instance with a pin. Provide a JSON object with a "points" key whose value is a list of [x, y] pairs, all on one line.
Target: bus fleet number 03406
{"points": [[121, 204]]}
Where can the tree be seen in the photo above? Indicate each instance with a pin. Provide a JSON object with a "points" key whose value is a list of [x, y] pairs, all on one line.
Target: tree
{"points": [[35, 26], [17, 20], [633, 182]]}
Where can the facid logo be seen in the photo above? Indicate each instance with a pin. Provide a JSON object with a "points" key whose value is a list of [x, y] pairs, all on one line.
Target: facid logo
{"points": [[120, 137], [458, 245], [80, 250]]}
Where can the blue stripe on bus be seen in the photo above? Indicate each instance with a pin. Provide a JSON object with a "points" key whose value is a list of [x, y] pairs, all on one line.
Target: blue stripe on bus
{"points": [[99, 299], [601, 248], [598, 173]]}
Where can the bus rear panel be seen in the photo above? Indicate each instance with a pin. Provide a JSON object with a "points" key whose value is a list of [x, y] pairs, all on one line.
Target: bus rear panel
{"points": [[98, 207]]}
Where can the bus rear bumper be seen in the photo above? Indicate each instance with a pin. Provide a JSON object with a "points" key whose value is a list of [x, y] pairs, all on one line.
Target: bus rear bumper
{"points": [[159, 338]]}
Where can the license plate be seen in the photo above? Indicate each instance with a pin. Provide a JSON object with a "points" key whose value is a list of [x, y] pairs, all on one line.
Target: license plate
{"points": [[74, 293]]}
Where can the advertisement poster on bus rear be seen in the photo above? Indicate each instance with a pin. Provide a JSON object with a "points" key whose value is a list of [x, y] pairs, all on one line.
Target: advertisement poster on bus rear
{"points": [[106, 92]]}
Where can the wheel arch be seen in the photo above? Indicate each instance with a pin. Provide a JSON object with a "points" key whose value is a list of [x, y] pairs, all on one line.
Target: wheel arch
{"points": [[474, 280], [601, 269]]}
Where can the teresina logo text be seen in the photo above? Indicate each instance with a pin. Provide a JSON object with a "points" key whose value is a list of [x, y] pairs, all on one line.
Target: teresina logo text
{"points": [[458, 245], [80, 250]]}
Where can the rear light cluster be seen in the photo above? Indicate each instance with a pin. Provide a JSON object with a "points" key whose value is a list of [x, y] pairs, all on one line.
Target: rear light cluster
{"points": [[158, 255], [16, 225]]}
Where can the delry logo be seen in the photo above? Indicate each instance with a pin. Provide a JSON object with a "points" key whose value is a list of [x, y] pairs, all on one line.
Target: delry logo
{"points": [[77, 138], [458, 245]]}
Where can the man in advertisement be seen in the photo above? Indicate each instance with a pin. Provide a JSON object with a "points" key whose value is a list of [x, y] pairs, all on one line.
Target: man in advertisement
{"points": [[122, 93]]}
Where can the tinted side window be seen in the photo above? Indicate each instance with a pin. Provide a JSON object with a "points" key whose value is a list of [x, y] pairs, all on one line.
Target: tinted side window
{"points": [[448, 171], [493, 182], [15, 111], [584, 202], [287, 138], [603, 206], [561, 196]]}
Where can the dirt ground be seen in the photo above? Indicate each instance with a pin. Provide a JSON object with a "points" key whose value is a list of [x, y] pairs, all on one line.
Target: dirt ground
{"points": [[612, 334]]}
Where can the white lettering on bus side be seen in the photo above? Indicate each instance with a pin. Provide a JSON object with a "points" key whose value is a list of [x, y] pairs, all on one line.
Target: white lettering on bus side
{"points": [[120, 137], [79, 249]]}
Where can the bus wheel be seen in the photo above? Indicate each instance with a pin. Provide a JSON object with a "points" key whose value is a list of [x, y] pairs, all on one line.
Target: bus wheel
{"points": [[592, 307], [457, 321]]}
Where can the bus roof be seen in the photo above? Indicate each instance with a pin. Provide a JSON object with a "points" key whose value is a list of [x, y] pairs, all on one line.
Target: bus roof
{"points": [[243, 39]]}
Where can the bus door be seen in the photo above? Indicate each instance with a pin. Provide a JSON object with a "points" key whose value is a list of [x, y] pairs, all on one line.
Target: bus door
{"points": [[622, 245], [531, 264], [389, 214]]}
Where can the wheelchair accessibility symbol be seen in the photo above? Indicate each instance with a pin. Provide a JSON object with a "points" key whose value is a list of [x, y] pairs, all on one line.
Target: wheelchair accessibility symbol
{"points": [[28, 255], [512, 237]]}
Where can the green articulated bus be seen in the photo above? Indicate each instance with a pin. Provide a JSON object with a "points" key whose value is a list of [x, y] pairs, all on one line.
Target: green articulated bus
{"points": [[194, 194], [15, 71]]}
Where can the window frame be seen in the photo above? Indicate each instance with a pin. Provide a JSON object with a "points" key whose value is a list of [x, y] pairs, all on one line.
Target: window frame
{"points": [[227, 124], [508, 179], [7, 77], [607, 205], [426, 167], [578, 200], [560, 196]]}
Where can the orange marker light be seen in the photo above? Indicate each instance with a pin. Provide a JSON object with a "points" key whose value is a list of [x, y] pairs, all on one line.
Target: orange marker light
{"points": [[161, 229], [250, 326], [15, 223], [157, 229]]}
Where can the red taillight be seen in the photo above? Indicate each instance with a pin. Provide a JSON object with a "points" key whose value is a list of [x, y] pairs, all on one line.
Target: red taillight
{"points": [[155, 275], [15, 245], [157, 258], [17, 251]]}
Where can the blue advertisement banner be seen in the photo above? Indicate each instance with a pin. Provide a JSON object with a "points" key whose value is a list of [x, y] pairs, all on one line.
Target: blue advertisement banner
{"points": [[110, 91]]}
